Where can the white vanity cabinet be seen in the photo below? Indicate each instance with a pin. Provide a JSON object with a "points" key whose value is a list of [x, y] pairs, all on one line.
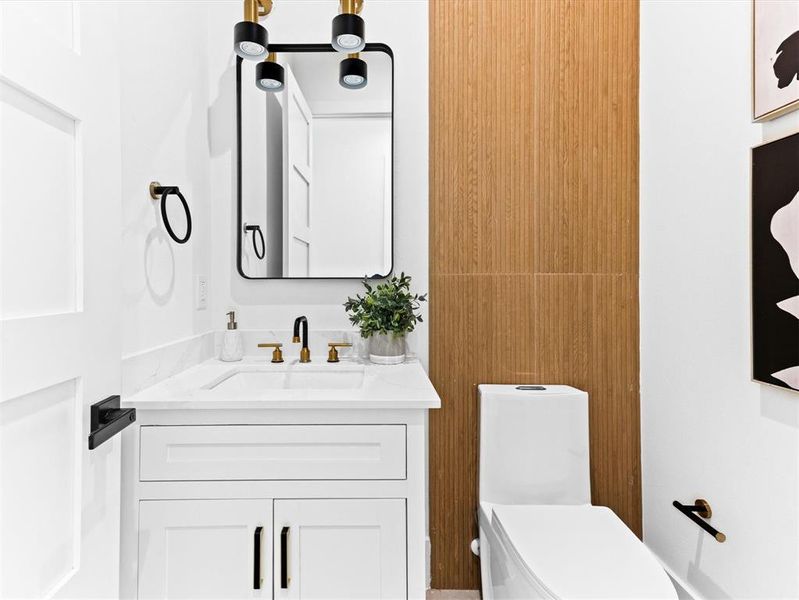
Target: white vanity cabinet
{"points": [[340, 549], [205, 548], [323, 549], [253, 481], [283, 495]]}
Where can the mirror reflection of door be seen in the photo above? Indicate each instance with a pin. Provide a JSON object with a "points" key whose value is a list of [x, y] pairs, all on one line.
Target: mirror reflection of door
{"points": [[318, 170], [297, 177]]}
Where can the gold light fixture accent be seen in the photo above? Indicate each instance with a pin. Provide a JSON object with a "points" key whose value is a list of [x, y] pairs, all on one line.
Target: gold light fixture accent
{"points": [[352, 7], [256, 9]]}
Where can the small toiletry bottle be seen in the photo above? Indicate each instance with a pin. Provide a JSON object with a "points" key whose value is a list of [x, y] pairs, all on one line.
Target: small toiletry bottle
{"points": [[232, 348]]}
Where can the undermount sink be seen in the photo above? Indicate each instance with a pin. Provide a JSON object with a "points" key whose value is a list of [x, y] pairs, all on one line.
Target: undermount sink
{"points": [[299, 377]]}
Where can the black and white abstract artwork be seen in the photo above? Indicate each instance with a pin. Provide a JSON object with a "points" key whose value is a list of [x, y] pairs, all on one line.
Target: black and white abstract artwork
{"points": [[775, 262], [776, 57]]}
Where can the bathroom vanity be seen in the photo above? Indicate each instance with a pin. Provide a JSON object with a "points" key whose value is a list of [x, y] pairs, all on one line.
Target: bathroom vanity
{"points": [[253, 480]]}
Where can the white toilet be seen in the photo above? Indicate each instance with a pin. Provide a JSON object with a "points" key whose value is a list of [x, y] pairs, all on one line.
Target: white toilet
{"points": [[539, 535]]}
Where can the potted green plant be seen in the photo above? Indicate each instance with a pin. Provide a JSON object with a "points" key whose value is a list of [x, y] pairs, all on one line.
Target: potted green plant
{"points": [[385, 314]]}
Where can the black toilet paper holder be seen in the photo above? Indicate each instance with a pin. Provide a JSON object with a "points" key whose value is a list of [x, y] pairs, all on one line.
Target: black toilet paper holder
{"points": [[700, 508]]}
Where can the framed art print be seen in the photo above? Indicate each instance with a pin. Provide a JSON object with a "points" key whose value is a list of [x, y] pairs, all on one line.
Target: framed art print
{"points": [[775, 58], [775, 262]]}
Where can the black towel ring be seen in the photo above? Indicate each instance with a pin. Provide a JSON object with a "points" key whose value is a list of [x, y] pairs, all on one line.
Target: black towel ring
{"points": [[253, 229], [162, 191]]}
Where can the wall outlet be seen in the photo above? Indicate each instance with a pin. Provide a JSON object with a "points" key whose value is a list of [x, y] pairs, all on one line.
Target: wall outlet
{"points": [[201, 293]]}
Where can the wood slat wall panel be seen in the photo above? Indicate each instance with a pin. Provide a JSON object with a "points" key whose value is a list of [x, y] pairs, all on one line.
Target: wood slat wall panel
{"points": [[534, 237]]}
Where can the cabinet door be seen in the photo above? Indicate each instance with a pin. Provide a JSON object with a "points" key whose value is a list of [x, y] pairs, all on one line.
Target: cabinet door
{"points": [[205, 549], [347, 549]]}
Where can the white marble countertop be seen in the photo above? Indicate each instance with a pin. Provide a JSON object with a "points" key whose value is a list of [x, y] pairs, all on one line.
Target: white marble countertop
{"points": [[254, 382]]}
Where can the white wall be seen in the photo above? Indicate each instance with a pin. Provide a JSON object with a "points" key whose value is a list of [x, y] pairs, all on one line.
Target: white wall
{"points": [[275, 304], [164, 104], [707, 430], [317, 74]]}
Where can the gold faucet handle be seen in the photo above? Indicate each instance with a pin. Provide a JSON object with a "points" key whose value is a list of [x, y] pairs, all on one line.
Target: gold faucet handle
{"points": [[277, 353], [332, 355]]}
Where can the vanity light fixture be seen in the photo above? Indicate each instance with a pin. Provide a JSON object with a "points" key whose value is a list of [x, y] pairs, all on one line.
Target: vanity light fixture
{"points": [[250, 39], [352, 72], [269, 75], [349, 30]]}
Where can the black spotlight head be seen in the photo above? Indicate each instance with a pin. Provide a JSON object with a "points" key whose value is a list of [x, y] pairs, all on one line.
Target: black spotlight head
{"points": [[250, 40], [352, 73], [349, 33], [269, 76]]}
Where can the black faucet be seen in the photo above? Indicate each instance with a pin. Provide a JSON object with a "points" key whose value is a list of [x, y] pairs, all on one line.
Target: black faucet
{"points": [[305, 352]]}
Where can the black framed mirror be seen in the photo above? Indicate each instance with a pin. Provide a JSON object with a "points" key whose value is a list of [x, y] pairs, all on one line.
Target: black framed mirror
{"points": [[314, 174]]}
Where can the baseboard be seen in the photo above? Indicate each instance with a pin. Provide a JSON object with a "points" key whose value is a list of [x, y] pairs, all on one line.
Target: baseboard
{"points": [[428, 562]]}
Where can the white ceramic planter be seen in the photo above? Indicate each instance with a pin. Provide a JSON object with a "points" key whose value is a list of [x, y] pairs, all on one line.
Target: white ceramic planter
{"points": [[386, 348]]}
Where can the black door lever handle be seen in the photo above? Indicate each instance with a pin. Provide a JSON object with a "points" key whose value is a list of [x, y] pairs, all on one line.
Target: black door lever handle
{"points": [[107, 419]]}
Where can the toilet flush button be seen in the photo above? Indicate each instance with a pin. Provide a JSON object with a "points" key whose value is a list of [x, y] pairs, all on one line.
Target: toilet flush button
{"points": [[531, 388]]}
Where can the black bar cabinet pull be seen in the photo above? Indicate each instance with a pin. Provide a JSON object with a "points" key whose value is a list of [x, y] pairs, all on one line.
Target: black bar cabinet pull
{"points": [[284, 558], [256, 559], [700, 508], [106, 419]]}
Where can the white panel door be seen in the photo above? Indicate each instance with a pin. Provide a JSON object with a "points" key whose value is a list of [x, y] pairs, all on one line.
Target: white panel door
{"points": [[59, 297], [345, 549], [297, 184], [205, 549]]}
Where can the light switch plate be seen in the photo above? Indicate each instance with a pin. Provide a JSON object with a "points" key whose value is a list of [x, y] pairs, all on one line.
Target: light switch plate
{"points": [[201, 293]]}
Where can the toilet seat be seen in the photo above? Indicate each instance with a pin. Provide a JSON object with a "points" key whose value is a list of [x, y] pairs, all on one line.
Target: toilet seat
{"points": [[580, 552]]}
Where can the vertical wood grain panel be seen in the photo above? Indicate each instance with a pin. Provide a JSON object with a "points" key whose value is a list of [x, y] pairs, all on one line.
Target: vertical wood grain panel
{"points": [[533, 237]]}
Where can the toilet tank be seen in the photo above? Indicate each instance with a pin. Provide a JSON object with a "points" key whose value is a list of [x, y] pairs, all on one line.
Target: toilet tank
{"points": [[534, 445]]}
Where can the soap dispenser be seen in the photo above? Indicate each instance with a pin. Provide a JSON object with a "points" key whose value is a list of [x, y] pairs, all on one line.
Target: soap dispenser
{"points": [[232, 348]]}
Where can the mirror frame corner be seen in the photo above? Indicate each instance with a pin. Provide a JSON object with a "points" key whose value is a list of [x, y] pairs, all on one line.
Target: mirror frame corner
{"points": [[282, 48]]}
